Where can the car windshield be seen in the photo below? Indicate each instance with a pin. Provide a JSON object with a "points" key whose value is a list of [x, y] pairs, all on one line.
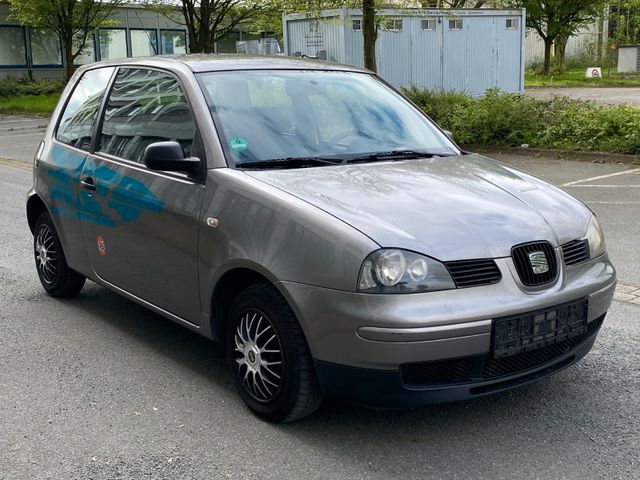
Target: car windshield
{"points": [[307, 118]]}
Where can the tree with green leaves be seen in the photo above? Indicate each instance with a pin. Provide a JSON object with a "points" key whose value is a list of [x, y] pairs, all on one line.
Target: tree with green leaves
{"points": [[208, 21], [625, 21], [73, 21], [269, 18], [557, 20]]}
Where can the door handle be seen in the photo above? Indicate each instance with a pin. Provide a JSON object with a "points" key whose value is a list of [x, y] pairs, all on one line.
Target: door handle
{"points": [[88, 184]]}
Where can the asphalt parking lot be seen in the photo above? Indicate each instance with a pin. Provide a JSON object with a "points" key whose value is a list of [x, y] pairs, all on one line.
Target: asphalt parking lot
{"points": [[19, 136], [100, 388]]}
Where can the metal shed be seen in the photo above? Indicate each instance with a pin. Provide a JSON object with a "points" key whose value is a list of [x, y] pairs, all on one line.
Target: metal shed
{"points": [[628, 58], [460, 50]]}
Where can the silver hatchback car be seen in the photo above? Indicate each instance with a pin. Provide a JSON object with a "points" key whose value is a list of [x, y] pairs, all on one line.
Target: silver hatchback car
{"points": [[320, 226]]}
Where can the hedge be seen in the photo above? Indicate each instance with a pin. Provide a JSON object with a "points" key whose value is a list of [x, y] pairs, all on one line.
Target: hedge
{"points": [[505, 119]]}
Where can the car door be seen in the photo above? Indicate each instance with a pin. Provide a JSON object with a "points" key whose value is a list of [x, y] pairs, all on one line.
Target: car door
{"points": [[140, 226], [58, 171]]}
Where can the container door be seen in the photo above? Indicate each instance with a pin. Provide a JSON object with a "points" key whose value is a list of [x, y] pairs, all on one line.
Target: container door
{"points": [[426, 52], [393, 51], [469, 53]]}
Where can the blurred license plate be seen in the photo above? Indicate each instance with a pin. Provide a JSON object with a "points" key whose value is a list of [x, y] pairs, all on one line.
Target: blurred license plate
{"points": [[526, 332]]}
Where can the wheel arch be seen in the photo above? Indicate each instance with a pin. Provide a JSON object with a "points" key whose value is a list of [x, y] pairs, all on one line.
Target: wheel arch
{"points": [[35, 207], [228, 287]]}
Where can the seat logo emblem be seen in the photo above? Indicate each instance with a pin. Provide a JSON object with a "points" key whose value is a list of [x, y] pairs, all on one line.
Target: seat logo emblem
{"points": [[539, 262]]}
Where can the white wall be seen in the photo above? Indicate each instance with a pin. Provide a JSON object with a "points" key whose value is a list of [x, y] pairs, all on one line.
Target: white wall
{"points": [[534, 46], [628, 59]]}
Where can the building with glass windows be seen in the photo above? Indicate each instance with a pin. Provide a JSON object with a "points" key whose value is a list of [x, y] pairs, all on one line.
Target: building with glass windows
{"points": [[139, 32]]}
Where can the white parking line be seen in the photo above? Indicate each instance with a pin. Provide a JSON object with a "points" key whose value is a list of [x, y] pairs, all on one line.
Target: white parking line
{"points": [[601, 186], [599, 177], [22, 120], [614, 203], [23, 135]]}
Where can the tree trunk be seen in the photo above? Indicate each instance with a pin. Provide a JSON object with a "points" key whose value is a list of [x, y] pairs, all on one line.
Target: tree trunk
{"points": [[369, 33], [561, 50], [69, 58], [548, 44], [201, 42]]}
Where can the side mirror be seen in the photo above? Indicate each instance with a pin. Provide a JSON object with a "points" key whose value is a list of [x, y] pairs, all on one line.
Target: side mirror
{"points": [[170, 157], [449, 135]]}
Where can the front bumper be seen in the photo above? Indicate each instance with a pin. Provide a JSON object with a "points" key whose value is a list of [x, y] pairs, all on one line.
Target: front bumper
{"points": [[388, 389], [367, 339]]}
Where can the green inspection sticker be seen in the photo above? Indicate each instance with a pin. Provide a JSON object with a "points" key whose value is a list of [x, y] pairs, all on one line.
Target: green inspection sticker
{"points": [[238, 144]]}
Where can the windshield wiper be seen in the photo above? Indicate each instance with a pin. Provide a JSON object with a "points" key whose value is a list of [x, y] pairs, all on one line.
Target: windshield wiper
{"points": [[394, 155], [290, 162]]}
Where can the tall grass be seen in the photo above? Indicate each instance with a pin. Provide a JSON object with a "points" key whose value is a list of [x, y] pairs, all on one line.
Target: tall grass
{"points": [[41, 104]]}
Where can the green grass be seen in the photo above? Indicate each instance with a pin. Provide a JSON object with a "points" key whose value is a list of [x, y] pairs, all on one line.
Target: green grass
{"points": [[30, 103], [576, 78]]}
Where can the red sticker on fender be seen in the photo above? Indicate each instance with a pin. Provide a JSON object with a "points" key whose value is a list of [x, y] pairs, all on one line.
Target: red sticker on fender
{"points": [[102, 249]]}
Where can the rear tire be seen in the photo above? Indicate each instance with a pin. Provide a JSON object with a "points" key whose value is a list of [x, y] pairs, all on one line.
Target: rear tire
{"points": [[269, 357], [55, 275]]}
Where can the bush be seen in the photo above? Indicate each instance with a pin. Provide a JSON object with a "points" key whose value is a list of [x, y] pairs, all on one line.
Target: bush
{"points": [[501, 119], [437, 104], [14, 87]]}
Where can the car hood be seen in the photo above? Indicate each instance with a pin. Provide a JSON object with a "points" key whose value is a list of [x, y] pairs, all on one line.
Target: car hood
{"points": [[450, 208]]}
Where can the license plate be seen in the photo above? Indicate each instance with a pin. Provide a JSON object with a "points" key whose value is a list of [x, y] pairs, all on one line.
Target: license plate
{"points": [[531, 331]]}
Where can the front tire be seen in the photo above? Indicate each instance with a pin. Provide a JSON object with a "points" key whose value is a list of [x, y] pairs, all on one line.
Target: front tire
{"points": [[269, 358], [55, 275]]}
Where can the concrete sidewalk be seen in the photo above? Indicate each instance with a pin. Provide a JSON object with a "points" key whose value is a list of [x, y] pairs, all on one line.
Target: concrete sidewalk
{"points": [[20, 135]]}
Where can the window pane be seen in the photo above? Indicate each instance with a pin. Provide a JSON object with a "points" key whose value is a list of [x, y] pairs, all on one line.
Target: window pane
{"points": [[145, 106], [173, 42], [113, 43], [144, 43], [455, 24], [13, 49], [265, 115], [428, 24], [88, 54], [45, 48], [80, 112]]}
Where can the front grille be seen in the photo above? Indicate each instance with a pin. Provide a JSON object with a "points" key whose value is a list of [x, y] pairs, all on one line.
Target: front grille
{"points": [[485, 367], [575, 252], [523, 263], [443, 372], [472, 273]]}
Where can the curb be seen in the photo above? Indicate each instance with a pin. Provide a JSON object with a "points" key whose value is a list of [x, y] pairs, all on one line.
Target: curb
{"points": [[8, 162], [627, 294], [577, 155]]}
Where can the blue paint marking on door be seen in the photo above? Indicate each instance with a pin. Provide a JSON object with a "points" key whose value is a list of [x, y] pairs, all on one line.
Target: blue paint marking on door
{"points": [[129, 197]]}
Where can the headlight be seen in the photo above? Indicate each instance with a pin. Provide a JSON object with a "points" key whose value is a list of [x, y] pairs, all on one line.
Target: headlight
{"points": [[401, 271], [595, 238]]}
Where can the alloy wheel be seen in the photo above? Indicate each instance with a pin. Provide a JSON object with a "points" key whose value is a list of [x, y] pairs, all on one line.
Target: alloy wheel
{"points": [[46, 255], [258, 356]]}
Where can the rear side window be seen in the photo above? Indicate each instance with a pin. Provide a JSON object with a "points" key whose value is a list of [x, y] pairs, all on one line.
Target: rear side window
{"points": [[82, 108], [145, 106]]}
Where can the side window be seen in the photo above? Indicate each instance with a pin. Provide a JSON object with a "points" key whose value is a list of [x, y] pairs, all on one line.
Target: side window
{"points": [[81, 110], [145, 106], [456, 24]]}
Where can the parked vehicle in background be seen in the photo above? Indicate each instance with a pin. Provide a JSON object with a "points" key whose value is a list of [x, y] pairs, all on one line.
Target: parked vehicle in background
{"points": [[312, 220]]}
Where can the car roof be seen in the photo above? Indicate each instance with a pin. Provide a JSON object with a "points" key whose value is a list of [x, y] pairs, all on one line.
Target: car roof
{"points": [[229, 62]]}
